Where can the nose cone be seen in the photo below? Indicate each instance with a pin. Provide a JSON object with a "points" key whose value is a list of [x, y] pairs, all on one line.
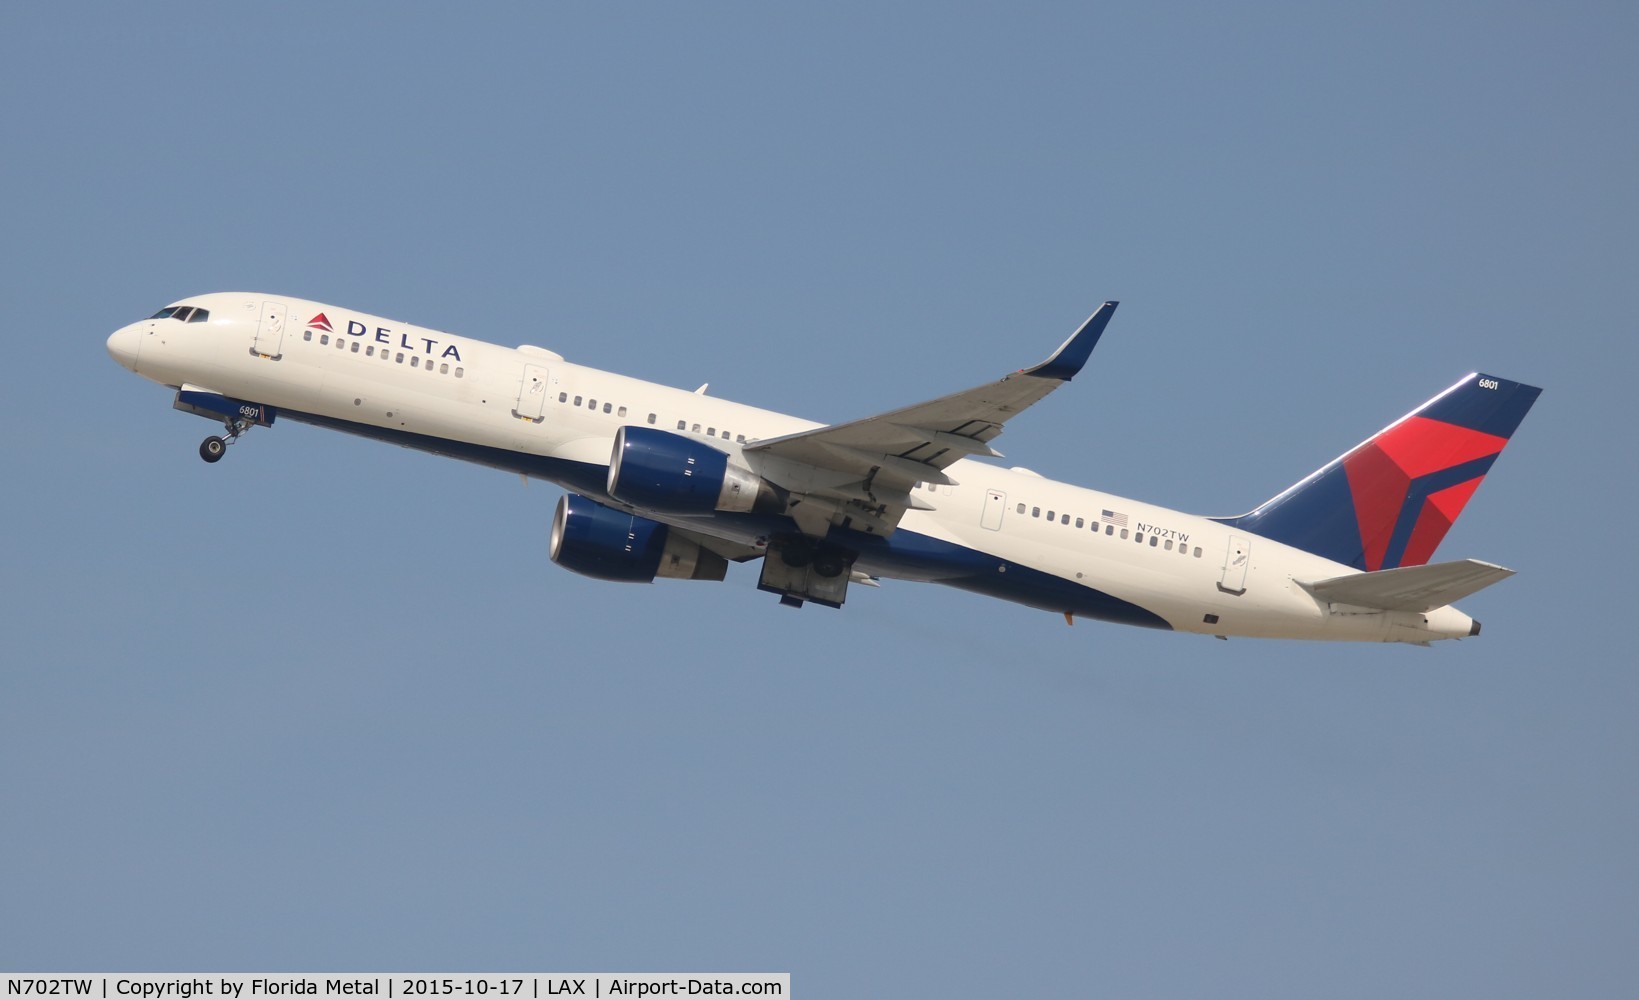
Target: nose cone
{"points": [[123, 345]]}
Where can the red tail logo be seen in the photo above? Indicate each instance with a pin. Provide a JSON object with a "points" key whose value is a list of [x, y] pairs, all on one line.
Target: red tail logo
{"points": [[1394, 474]]}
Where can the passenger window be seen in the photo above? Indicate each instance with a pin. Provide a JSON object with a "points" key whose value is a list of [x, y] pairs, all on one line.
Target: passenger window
{"points": [[696, 428], [415, 361], [341, 345], [1169, 545], [592, 404], [444, 368], [682, 425], [563, 397], [355, 347], [1197, 552], [1109, 529], [1123, 534], [740, 439], [651, 418], [1078, 522], [1035, 512], [1064, 519], [1154, 541], [370, 351], [1139, 538], [1051, 516], [307, 334], [711, 432], [606, 407], [459, 372], [621, 412], [1021, 508], [324, 338], [399, 358], [200, 316], [725, 435], [577, 400]]}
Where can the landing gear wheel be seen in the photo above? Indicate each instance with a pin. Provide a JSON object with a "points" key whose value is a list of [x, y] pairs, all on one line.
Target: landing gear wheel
{"points": [[830, 563], [797, 554], [213, 448]]}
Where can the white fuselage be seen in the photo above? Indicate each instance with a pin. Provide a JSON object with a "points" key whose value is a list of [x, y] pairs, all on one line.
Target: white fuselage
{"points": [[528, 410]]}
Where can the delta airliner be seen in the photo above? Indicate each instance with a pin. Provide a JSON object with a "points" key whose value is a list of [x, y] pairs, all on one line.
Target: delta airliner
{"points": [[665, 482]]}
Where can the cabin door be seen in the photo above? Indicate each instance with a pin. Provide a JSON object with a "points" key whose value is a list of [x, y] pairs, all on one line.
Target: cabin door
{"points": [[531, 395], [270, 331], [1236, 560]]}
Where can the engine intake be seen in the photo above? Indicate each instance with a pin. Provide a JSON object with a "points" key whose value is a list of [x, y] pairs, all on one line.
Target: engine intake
{"points": [[659, 470], [597, 541]]}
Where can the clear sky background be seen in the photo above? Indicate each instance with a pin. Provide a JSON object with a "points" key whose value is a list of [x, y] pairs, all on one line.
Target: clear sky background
{"points": [[327, 705]]}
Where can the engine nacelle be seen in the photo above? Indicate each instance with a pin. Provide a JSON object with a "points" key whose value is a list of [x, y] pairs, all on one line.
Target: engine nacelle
{"points": [[659, 470], [593, 540]]}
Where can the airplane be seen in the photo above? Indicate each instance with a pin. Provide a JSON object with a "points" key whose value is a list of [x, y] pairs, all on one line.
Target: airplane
{"points": [[668, 483]]}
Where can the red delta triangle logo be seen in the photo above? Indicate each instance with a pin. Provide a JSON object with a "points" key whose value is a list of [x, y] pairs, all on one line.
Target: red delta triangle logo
{"points": [[319, 322], [1391, 472]]}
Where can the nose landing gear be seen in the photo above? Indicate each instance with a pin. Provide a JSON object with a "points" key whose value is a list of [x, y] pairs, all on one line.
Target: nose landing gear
{"points": [[236, 416], [214, 447]]}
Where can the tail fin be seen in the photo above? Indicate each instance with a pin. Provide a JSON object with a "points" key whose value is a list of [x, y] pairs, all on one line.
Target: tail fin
{"points": [[1390, 500]]}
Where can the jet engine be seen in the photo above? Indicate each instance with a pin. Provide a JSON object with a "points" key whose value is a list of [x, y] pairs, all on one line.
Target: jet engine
{"points": [[659, 470], [597, 541]]}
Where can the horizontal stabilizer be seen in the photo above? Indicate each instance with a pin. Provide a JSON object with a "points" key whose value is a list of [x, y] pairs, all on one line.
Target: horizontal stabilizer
{"points": [[1409, 588]]}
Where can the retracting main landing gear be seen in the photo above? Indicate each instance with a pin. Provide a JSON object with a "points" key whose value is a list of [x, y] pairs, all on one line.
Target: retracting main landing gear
{"points": [[800, 569], [213, 448]]}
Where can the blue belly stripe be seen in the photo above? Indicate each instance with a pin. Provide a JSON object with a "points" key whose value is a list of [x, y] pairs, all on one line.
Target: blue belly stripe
{"points": [[904, 554]]}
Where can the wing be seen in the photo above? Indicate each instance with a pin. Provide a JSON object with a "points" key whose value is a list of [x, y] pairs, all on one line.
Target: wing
{"points": [[860, 474]]}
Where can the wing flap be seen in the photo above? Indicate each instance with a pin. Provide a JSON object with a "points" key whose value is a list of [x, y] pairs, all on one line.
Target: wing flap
{"points": [[1409, 588]]}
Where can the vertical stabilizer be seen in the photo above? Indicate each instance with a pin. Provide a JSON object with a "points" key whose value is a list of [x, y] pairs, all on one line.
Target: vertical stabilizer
{"points": [[1390, 500]]}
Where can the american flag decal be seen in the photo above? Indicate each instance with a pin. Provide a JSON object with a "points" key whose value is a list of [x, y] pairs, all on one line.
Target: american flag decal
{"points": [[1119, 520]]}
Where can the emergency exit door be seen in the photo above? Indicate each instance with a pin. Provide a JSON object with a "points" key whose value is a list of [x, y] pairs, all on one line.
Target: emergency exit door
{"points": [[995, 507]]}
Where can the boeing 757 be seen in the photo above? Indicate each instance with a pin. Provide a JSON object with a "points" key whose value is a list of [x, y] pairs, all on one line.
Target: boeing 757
{"points": [[670, 483]]}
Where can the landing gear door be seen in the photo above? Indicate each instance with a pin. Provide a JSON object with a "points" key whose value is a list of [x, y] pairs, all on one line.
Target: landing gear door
{"points": [[995, 507], [1236, 560], [532, 395]]}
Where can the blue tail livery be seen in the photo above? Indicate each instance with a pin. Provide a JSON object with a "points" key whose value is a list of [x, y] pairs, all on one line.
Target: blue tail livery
{"points": [[1390, 500]]}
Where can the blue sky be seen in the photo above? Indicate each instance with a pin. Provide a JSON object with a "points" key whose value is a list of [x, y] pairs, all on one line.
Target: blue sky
{"points": [[327, 705]]}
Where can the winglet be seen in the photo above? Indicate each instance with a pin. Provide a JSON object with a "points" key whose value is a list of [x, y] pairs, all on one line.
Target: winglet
{"points": [[1073, 353]]}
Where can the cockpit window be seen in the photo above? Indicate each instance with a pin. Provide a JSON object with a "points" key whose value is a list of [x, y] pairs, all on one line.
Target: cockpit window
{"points": [[185, 314]]}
